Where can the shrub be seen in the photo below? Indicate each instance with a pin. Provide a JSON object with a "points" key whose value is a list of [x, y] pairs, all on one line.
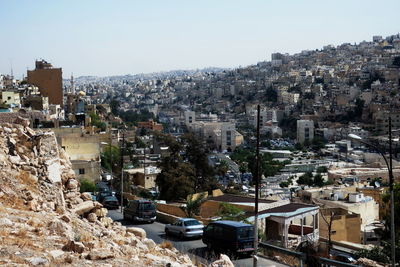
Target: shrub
{"points": [[87, 185]]}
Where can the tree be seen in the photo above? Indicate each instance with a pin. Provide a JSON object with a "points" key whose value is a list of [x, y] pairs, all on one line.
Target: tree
{"points": [[306, 179], [176, 182], [197, 156], [396, 61], [114, 105], [193, 205], [318, 180], [222, 168], [87, 185], [328, 215], [230, 212], [322, 169], [111, 155]]}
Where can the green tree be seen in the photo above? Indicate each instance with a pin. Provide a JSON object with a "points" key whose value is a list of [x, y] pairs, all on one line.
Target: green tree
{"points": [[111, 155], [318, 180], [322, 169], [222, 168], [197, 156], [87, 185], [230, 212], [193, 205], [306, 179], [176, 182], [114, 105]]}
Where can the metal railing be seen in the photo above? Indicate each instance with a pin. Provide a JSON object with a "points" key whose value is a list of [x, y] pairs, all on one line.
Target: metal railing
{"points": [[303, 257]]}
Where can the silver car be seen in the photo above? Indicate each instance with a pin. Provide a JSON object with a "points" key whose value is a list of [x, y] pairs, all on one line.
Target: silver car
{"points": [[185, 227]]}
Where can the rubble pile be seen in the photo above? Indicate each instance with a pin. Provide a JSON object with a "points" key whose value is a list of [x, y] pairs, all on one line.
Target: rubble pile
{"points": [[46, 221]]}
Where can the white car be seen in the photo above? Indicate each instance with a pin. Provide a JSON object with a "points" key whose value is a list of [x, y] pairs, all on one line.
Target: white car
{"points": [[185, 227]]}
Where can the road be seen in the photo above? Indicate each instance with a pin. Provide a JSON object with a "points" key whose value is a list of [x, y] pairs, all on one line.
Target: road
{"points": [[195, 247]]}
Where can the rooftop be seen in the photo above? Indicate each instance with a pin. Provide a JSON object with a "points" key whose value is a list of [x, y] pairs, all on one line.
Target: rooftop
{"points": [[238, 199]]}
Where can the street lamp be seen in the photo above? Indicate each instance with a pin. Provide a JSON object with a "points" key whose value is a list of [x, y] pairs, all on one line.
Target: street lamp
{"points": [[391, 181]]}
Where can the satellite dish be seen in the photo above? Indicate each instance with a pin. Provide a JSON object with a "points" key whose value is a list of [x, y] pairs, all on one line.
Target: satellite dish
{"points": [[377, 184]]}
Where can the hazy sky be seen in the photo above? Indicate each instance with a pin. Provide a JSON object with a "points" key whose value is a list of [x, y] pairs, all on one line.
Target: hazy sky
{"points": [[95, 37]]}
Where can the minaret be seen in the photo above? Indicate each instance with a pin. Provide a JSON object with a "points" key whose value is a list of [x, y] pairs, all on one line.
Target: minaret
{"points": [[72, 84]]}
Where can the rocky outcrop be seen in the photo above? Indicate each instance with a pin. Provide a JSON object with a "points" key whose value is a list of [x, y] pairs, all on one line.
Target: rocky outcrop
{"points": [[46, 221]]}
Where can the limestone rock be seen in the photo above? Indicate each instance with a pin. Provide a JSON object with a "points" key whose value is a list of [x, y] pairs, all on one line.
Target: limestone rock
{"points": [[86, 196], [77, 247], [100, 254], [101, 212], [223, 261], [61, 228], [106, 221], [84, 207], [92, 217], [149, 243], [37, 261], [73, 184], [56, 253], [139, 232]]}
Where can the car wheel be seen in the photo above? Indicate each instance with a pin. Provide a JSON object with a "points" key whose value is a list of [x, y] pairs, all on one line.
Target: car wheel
{"points": [[181, 236], [167, 232], [209, 246]]}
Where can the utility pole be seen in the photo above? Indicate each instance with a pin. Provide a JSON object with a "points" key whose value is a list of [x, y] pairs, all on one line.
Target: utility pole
{"points": [[391, 181], [122, 171], [257, 174], [111, 161]]}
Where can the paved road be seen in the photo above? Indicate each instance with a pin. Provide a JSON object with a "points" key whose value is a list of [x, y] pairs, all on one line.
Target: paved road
{"points": [[195, 247]]}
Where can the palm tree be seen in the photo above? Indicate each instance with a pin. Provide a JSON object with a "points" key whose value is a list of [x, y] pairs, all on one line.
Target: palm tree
{"points": [[193, 204]]}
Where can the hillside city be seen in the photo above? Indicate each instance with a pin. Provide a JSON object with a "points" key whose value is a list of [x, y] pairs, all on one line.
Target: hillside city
{"points": [[185, 143]]}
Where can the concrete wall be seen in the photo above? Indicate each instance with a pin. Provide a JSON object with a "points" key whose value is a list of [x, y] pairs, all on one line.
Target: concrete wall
{"points": [[344, 228], [170, 209], [91, 169]]}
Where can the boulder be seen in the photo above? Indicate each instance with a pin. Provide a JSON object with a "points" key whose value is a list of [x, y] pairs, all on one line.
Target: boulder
{"points": [[77, 247], [86, 196], [106, 221], [84, 207], [73, 184], [100, 254], [37, 261], [223, 261], [92, 217], [56, 253], [102, 212], [61, 228], [139, 232], [149, 243]]}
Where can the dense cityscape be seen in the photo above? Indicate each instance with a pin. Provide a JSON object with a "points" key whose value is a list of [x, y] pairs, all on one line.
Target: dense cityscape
{"points": [[192, 144]]}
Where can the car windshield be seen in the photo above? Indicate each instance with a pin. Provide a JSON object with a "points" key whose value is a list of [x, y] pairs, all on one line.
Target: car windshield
{"points": [[245, 232], [146, 206], [191, 222]]}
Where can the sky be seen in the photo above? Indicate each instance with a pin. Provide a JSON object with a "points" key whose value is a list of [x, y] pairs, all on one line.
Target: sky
{"points": [[102, 38]]}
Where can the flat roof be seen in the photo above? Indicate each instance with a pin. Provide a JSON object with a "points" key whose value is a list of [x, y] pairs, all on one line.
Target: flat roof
{"points": [[238, 199], [291, 207], [232, 223]]}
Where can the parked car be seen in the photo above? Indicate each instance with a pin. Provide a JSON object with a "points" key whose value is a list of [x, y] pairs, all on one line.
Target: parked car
{"points": [[103, 194], [140, 211], [233, 237], [343, 257], [110, 202], [185, 227]]}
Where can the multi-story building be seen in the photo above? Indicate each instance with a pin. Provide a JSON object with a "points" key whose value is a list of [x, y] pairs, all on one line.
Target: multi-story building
{"points": [[49, 81], [305, 130]]}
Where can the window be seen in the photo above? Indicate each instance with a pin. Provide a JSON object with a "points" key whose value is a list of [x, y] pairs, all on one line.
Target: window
{"points": [[81, 171]]}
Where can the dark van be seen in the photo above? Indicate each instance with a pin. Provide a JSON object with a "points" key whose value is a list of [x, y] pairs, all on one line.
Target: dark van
{"points": [[140, 211], [231, 236]]}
